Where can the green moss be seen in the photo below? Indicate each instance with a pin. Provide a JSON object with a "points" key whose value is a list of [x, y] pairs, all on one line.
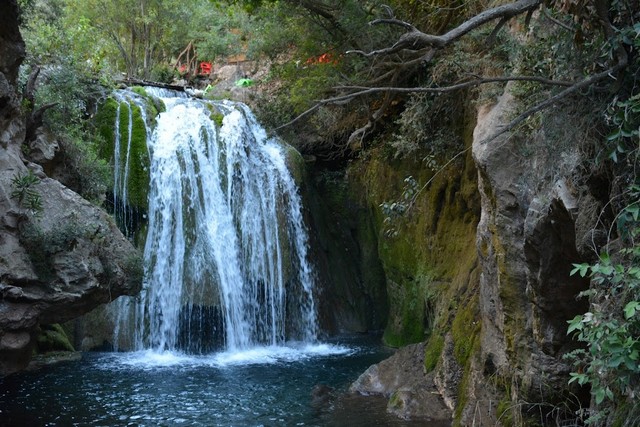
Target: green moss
{"points": [[295, 164], [410, 317], [465, 330], [430, 261], [138, 176], [52, 338], [105, 121], [215, 114], [432, 352], [160, 105], [140, 91], [217, 119], [463, 387]]}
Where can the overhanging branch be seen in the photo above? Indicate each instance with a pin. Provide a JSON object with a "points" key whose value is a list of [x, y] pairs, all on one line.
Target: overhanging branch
{"points": [[363, 90], [557, 98], [415, 39]]}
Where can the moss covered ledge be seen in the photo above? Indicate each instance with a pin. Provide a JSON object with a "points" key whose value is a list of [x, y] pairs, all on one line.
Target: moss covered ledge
{"points": [[113, 119]]}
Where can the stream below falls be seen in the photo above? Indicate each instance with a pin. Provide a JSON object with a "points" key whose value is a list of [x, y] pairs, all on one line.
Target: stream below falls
{"points": [[263, 386]]}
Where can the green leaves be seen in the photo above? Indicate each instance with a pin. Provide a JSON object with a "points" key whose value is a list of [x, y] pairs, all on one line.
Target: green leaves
{"points": [[393, 210], [610, 331], [600, 394], [582, 269], [630, 309], [624, 117], [22, 189]]}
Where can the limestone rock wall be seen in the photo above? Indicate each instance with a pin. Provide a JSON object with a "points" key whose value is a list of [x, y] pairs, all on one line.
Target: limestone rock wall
{"points": [[480, 268], [56, 262], [526, 241]]}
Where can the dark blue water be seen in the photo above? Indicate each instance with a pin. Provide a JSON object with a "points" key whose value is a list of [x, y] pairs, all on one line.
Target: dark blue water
{"points": [[263, 387]]}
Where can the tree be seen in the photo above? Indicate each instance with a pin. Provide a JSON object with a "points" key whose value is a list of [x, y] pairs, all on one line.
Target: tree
{"points": [[411, 62], [145, 33]]}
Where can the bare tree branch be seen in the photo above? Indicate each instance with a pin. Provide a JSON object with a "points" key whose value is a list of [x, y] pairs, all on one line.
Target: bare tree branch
{"points": [[415, 39], [35, 121], [363, 90], [557, 98]]}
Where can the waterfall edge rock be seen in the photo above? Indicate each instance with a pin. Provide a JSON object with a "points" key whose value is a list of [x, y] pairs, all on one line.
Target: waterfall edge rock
{"points": [[92, 265]]}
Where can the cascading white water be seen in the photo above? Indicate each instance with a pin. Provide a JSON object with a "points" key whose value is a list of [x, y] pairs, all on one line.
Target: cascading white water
{"points": [[226, 260]]}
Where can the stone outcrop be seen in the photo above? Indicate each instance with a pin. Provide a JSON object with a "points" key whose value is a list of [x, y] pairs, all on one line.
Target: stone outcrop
{"points": [[60, 256], [496, 345], [527, 243], [401, 379], [499, 283]]}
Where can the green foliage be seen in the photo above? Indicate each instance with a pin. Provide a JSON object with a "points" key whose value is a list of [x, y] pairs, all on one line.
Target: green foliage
{"points": [[428, 124], [308, 50], [504, 411], [22, 189], [87, 173], [226, 31], [610, 364], [610, 331], [624, 118], [392, 210], [71, 77], [163, 73]]}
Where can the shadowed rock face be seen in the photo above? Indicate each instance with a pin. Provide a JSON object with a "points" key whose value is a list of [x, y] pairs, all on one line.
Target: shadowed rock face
{"points": [[62, 262], [526, 243]]}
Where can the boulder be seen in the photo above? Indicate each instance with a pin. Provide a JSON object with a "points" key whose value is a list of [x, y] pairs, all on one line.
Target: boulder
{"points": [[401, 378]]}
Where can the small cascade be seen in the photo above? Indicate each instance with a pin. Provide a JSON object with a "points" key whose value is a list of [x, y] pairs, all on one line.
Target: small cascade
{"points": [[226, 253]]}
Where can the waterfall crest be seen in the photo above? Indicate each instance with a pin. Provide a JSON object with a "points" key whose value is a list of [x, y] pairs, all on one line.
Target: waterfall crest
{"points": [[226, 253]]}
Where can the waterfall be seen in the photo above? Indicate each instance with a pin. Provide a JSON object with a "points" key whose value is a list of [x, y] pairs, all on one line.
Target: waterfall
{"points": [[226, 254]]}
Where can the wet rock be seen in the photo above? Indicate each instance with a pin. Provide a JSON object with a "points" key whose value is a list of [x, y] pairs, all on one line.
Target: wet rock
{"points": [[401, 379], [321, 396], [53, 358]]}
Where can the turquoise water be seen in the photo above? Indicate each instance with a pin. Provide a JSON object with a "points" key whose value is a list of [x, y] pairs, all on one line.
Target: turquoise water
{"points": [[266, 386]]}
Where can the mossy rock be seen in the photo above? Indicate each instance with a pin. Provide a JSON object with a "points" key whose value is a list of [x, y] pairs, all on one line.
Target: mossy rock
{"points": [[466, 330], [138, 174], [295, 164], [52, 338], [409, 317], [428, 262], [140, 91], [215, 114], [105, 122], [139, 163], [154, 106], [433, 351]]}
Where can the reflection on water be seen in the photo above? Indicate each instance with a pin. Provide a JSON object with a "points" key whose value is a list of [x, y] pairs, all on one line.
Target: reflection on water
{"points": [[271, 386]]}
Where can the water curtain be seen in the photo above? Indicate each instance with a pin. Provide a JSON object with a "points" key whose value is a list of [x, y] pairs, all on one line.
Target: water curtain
{"points": [[226, 253]]}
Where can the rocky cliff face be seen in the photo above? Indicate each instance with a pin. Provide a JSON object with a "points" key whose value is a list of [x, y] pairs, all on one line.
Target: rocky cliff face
{"points": [[533, 226], [480, 266], [60, 256]]}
